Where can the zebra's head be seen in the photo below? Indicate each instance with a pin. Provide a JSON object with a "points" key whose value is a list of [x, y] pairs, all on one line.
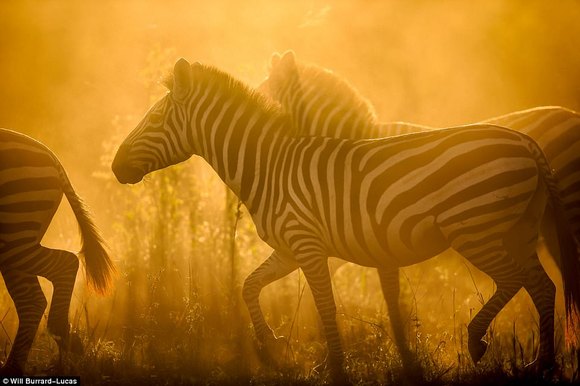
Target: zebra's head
{"points": [[159, 140], [283, 78], [318, 101]]}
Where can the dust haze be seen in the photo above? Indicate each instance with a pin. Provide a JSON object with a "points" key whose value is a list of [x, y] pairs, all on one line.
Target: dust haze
{"points": [[78, 76]]}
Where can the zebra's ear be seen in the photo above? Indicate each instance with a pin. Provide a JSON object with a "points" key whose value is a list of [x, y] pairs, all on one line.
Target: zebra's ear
{"points": [[183, 77], [288, 62], [289, 57], [275, 60]]}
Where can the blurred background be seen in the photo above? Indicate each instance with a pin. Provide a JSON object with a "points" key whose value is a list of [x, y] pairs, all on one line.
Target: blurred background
{"points": [[79, 75]]}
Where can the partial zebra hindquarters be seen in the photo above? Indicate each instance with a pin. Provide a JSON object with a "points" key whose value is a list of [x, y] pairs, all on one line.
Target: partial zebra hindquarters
{"points": [[99, 266], [569, 245]]}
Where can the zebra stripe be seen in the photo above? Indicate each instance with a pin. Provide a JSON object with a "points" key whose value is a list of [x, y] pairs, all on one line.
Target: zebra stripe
{"points": [[297, 201], [32, 182], [322, 104]]}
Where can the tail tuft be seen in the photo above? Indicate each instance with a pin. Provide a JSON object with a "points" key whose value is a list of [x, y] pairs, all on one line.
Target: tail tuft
{"points": [[98, 264]]}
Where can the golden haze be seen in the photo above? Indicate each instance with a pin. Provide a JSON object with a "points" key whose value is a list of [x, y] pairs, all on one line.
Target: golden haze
{"points": [[78, 76]]}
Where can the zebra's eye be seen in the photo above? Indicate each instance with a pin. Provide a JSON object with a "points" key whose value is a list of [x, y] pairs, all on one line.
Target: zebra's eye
{"points": [[156, 118]]}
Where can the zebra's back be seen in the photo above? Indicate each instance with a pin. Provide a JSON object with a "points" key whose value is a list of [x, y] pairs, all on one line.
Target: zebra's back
{"points": [[555, 129], [323, 103]]}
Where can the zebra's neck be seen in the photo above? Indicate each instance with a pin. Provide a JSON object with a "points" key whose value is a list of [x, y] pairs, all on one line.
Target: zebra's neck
{"points": [[324, 105], [239, 136]]}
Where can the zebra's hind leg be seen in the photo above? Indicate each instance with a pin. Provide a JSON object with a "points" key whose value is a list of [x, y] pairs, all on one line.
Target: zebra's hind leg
{"points": [[543, 293], [521, 243], [30, 304], [60, 267], [509, 278]]}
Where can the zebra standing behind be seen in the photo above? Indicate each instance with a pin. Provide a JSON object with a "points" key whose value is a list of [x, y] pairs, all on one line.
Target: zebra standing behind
{"points": [[32, 183], [322, 104], [386, 203]]}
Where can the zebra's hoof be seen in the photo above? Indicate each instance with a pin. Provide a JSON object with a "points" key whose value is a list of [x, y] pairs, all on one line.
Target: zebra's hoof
{"points": [[277, 346], [75, 344], [477, 349], [338, 376], [273, 350], [70, 343], [546, 366], [11, 370], [335, 372], [412, 369]]}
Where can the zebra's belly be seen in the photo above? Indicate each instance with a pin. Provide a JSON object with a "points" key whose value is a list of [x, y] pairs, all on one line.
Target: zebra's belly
{"points": [[425, 242], [394, 247]]}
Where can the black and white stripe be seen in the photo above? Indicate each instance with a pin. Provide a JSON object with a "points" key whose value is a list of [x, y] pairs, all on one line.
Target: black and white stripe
{"points": [[323, 104], [32, 183], [381, 203]]}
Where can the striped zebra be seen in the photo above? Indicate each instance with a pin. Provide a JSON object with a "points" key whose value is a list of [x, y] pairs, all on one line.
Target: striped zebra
{"points": [[385, 203], [322, 104], [32, 183]]}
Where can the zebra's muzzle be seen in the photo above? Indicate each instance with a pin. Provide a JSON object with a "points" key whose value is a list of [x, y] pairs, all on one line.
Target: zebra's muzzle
{"points": [[125, 174], [128, 175]]}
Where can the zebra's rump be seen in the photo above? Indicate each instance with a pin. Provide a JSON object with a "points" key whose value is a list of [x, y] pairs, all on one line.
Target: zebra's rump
{"points": [[30, 191]]}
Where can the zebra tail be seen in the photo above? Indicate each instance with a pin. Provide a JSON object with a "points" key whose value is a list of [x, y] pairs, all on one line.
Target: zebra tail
{"points": [[98, 264], [569, 244]]}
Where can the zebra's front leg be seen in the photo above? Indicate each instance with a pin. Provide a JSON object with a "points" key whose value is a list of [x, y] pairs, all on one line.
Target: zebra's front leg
{"points": [[317, 275], [274, 268], [390, 286], [30, 304]]}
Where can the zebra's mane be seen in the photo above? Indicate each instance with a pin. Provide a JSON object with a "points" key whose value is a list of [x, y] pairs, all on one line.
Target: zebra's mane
{"points": [[238, 90], [338, 90]]}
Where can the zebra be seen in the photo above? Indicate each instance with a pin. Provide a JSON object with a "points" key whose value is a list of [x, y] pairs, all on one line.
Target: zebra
{"points": [[32, 183], [323, 104], [383, 203]]}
